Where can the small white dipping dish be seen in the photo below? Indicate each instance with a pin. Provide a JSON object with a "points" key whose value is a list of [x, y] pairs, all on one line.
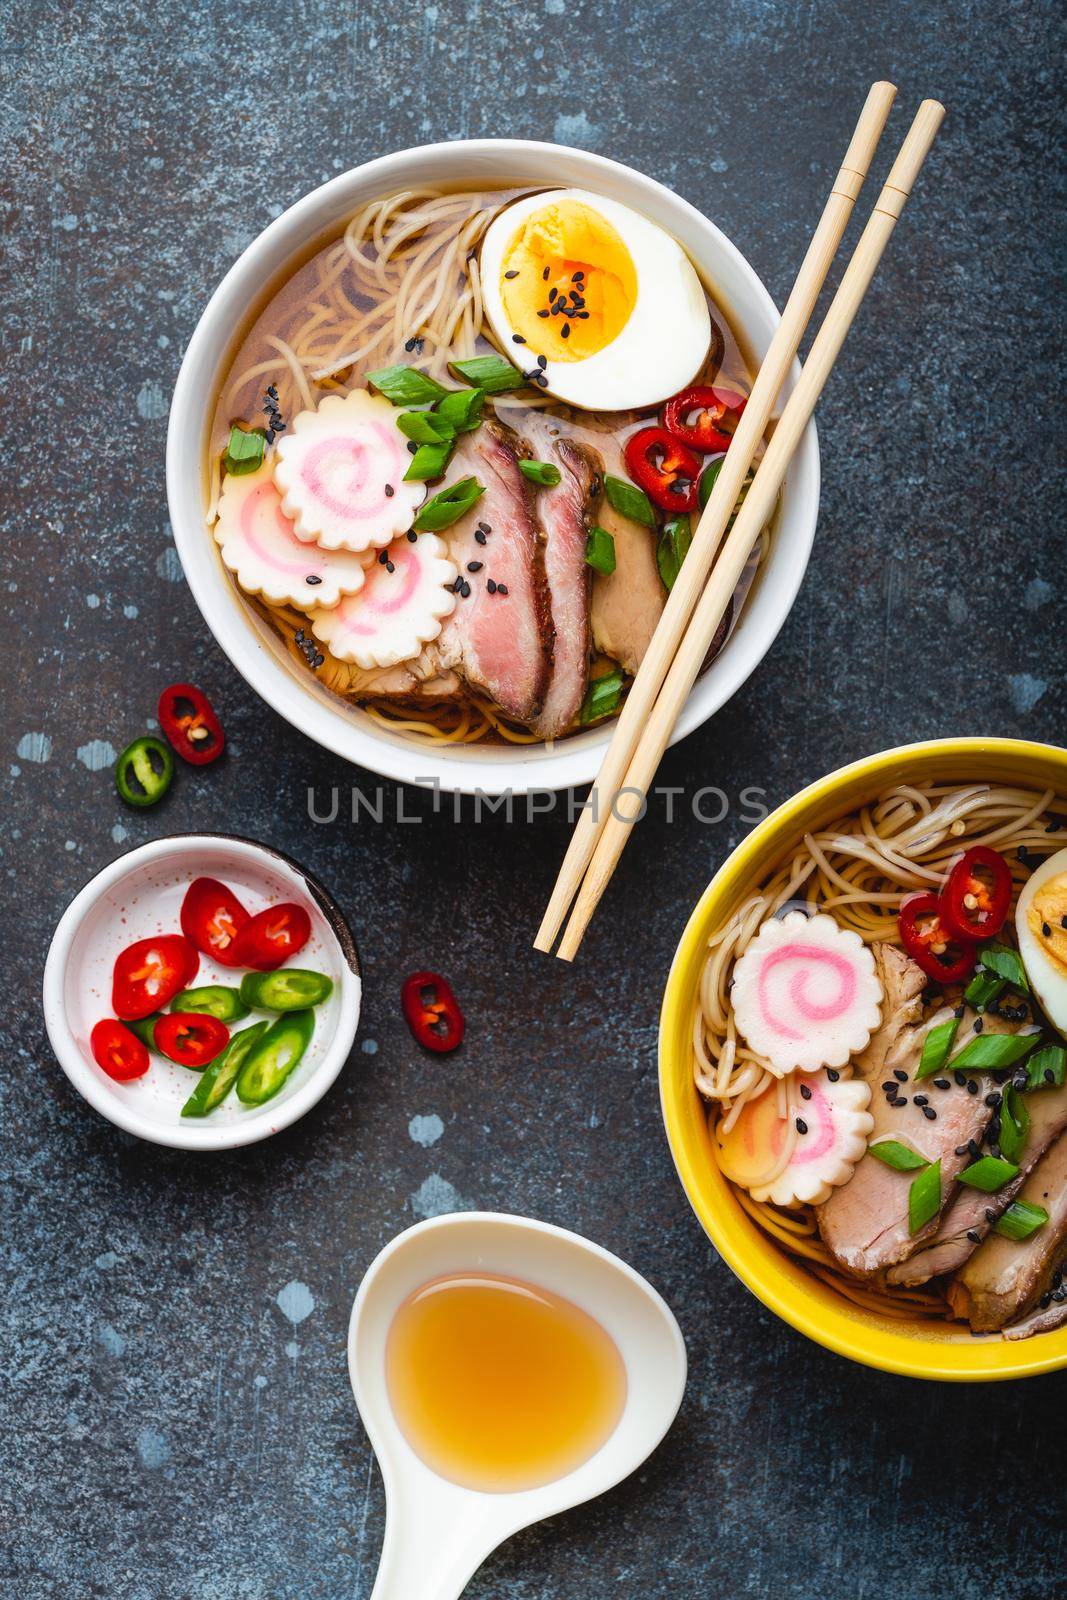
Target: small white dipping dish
{"points": [[141, 894], [253, 647], [438, 1533]]}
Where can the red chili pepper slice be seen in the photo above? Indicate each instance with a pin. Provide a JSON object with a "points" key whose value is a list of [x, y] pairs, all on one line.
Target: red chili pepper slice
{"points": [[664, 468], [189, 722], [212, 917], [117, 1051], [271, 937], [150, 973], [718, 411], [942, 954], [432, 1012], [973, 906], [190, 1038]]}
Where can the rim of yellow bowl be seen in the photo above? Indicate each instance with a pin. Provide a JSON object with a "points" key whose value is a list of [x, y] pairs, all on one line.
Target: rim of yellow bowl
{"points": [[913, 1349]]}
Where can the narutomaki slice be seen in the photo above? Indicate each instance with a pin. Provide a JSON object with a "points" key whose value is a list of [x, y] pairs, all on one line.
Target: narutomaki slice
{"points": [[409, 589], [805, 993], [340, 471], [261, 549], [805, 1154]]}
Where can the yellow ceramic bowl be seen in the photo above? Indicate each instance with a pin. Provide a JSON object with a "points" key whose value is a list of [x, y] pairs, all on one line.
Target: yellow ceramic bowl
{"points": [[920, 1350]]}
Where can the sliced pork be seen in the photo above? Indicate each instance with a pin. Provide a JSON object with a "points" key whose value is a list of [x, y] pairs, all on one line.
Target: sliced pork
{"points": [[1006, 1278], [563, 512], [965, 1223], [1050, 1312], [498, 639], [865, 1223]]}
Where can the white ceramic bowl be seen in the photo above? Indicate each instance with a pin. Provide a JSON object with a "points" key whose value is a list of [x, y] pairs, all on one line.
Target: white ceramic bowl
{"points": [[140, 894], [251, 645]]}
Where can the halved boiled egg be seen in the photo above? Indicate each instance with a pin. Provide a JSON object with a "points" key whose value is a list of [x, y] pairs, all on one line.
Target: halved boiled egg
{"points": [[1041, 925], [609, 299]]}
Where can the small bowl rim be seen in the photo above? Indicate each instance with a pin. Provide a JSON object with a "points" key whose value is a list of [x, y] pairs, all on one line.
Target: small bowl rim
{"points": [[801, 1306], [194, 1136], [520, 769]]}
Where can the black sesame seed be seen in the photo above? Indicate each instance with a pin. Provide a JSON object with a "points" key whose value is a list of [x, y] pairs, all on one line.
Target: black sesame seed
{"points": [[542, 362], [974, 1236], [1059, 1295], [300, 636], [1046, 931], [990, 1214], [890, 1086], [464, 588], [961, 1150], [485, 527], [993, 1099], [1049, 1075], [802, 1126], [929, 1113], [972, 1087], [979, 1024], [542, 313], [565, 332], [961, 1079], [545, 274], [412, 447], [805, 1092], [475, 566], [383, 556], [583, 316], [389, 491], [517, 338], [479, 536], [491, 586], [900, 1075], [576, 277], [832, 1074], [501, 588], [994, 1150], [412, 536], [543, 382], [1046, 1300], [921, 1099], [1022, 854], [902, 1101], [312, 578], [972, 1148], [942, 1083], [409, 344], [389, 567], [552, 293], [319, 659], [512, 274], [958, 1013]]}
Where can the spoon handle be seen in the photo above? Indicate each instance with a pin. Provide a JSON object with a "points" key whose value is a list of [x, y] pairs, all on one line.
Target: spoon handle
{"points": [[431, 1554]]}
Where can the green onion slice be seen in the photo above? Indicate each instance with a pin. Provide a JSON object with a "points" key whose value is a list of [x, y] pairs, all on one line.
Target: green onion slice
{"points": [[924, 1197], [1020, 1220], [989, 1173], [602, 697], [1006, 963], [541, 472], [405, 386], [897, 1155], [600, 550], [244, 453], [992, 1052], [1047, 1067], [492, 374], [936, 1046], [426, 427], [1014, 1124], [629, 501], [462, 408], [449, 505], [429, 461], [983, 989], [672, 548]]}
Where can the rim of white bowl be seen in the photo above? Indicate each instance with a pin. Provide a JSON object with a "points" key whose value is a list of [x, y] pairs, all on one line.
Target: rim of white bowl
{"points": [[247, 641], [193, 1135]]}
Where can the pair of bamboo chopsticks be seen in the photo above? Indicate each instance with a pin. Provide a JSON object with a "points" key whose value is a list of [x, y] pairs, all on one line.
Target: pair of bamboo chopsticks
{"points": [[697, 603]]}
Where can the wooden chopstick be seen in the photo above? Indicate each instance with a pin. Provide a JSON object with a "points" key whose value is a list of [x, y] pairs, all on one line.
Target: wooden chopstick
{"points": [[691, 579], [758, 506]]}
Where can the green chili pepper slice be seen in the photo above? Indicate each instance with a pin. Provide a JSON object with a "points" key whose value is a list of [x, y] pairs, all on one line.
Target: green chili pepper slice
{"points": [[287, 989], [219, 1075], [273, 1057], [143, 771], [145, 1029], [212, 1000]]}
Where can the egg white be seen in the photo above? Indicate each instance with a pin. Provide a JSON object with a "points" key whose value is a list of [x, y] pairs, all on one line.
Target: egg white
{"points": [[666, 338], [1046, 978]]}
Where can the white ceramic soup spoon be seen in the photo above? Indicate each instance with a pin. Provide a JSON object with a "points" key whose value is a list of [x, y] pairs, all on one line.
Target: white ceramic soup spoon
{"points": [[437, 1533]]}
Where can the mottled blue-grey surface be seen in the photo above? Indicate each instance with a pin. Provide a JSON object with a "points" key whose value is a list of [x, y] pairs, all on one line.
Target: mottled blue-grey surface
{"points": [[177, 1420]]}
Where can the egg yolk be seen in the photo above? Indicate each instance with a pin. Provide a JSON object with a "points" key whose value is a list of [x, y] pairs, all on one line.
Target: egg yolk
{"points": [[1046, 915], [568, 255]]}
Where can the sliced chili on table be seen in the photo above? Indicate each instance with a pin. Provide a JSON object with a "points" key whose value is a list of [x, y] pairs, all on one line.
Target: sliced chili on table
{"points": [[144, 771], [432, 1012], [191, 1039], [938, 951], [212, 917], [271, 937], [977, 896], [667, 470], [704, 418], [189, 722], [149, 973], [117, 1051]]}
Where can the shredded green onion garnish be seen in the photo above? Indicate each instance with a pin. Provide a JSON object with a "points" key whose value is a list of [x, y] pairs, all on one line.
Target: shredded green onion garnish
{"points": [[1014, 1124], [629, 501], [449, 505], [672, 549], [600, 550], [462, 408], [602, 697], [1006, 963], [404, 386], [1020, 1220], [897, 1155], [244, 453], [936, 1046], [540, 472], [491, 373], [1047, 1067], [991, 1052], [426, 427], [429, 461], [989, 1173], [924, 1197]]}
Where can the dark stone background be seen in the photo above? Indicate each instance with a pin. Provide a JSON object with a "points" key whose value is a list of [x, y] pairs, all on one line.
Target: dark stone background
{"points": [[169, 1431]]}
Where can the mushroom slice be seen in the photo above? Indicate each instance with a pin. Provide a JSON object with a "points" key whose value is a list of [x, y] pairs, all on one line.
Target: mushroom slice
{"points": [[340, 472], [259, 547]]}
